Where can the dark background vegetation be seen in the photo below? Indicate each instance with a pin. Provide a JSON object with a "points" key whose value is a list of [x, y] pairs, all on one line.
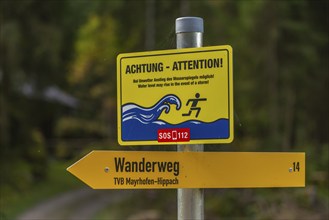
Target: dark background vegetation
{"points": [[58, 88]]}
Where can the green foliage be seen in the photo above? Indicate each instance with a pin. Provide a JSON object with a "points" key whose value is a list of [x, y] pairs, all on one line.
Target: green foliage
{"points": [[75, 128], [36, 156], [280, 84], [95, 48]]}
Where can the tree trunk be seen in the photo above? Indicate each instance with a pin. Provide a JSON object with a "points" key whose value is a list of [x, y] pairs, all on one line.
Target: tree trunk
{"points": [[150, 25]]}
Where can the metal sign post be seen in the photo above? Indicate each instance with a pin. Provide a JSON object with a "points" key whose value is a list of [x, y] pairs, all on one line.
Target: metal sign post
{"points": [[190, 202]]}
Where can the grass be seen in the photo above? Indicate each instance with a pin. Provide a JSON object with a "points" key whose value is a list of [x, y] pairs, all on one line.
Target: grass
{"points": [[59, 180], [143, 204]]}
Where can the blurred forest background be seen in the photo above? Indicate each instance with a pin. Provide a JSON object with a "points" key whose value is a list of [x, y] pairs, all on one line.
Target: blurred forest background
{"points": [[58, 91]]}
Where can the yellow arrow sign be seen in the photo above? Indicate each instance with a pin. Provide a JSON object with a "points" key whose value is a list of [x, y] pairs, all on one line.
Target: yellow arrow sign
{"points": [[146, 170]]}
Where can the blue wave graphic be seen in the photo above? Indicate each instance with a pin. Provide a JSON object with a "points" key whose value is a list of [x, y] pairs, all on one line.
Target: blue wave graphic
{"points": [[142, 124], [146, 116]]}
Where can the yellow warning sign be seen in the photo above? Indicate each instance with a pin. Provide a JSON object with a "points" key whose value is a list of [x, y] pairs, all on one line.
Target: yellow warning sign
{"points": [[175, 96], [151, 170]]}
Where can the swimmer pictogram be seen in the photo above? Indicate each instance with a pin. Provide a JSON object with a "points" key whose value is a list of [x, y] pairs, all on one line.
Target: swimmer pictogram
{"points": [[194, 105]]}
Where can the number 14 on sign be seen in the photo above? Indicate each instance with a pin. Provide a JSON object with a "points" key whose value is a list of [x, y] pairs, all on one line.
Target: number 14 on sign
{"points": [[295, 167]]}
